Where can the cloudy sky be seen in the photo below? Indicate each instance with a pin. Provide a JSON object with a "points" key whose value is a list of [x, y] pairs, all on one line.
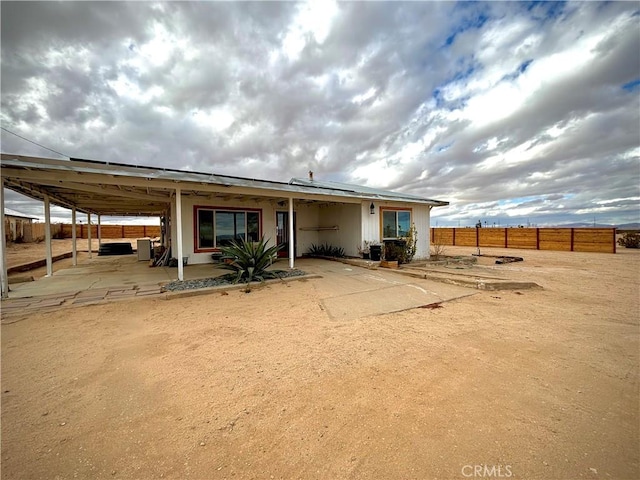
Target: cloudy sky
{"points": [[513, 112]]}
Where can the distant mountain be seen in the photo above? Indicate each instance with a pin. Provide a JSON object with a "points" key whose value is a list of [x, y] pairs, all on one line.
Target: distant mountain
{"points": [[629, 226]]}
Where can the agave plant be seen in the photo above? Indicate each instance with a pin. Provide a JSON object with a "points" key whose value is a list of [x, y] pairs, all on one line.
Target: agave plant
{"points": [[325, 250], [249, 260]]}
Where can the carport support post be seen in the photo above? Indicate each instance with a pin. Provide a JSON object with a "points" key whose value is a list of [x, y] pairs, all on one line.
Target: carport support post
{"points": [[74, 247], [292, 235], [179, 233], [89, 233], [3, 247], [47, 235], [99, 231]]}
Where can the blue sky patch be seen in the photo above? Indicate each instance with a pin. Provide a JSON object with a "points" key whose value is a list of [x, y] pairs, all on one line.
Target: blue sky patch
{"points": [[632, 86], [476, 20], [545, 10]]}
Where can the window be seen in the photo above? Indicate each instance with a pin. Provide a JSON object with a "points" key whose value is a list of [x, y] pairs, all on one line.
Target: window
{"points": [[216, 228], [395, 223]]}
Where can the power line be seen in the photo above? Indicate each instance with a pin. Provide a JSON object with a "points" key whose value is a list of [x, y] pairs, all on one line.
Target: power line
{"points": [[35, 143]]}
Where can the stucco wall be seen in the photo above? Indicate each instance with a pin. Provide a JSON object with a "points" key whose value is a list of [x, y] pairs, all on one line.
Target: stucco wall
{"points": [[306, 216], [307, 219], [354, 221], [347, 218]]}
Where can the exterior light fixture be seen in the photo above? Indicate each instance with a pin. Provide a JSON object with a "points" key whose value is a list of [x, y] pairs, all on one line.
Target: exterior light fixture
{"points": [[372, 209]]}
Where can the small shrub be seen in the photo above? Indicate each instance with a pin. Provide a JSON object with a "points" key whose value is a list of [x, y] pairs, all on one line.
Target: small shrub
{"points": [[394, 251], [325, 250], [437, 250], [249, 260], [630, 240], [411, 243]]}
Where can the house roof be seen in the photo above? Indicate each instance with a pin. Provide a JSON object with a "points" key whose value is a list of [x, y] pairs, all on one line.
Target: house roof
{"points": [[13, 213], [364, 191], [109, 188]]}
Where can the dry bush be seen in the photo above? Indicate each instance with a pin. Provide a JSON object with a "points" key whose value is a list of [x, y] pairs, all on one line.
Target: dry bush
{"points": [[437, 250]]}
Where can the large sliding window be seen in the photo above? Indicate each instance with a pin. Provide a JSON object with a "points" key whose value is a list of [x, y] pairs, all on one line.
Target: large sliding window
{"points": [[395, 223], [217, 227]]}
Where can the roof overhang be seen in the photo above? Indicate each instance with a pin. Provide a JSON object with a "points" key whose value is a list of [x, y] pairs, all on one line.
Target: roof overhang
{"points": [[125, 190]]}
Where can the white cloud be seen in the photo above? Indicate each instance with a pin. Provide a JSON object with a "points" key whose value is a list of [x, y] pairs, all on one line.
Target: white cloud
{"points": [[314, 19], [480, 104]]}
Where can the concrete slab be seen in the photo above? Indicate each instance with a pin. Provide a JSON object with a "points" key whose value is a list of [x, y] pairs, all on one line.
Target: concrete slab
{"points": [[346, 291], [349, 292]]}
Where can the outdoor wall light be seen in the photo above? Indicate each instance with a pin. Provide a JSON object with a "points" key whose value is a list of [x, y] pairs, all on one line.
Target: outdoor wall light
{"points": [[372, 209]]}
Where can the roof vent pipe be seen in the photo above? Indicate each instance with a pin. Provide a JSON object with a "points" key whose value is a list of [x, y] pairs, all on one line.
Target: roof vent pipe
{"points": [[310, 176]]}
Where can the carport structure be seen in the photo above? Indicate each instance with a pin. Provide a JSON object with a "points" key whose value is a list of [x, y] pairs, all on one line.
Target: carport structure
{"points": [[196, 205]]}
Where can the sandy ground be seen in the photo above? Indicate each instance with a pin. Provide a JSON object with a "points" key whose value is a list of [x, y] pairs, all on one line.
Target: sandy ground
{"points": [[20, 253], [531, 384]]}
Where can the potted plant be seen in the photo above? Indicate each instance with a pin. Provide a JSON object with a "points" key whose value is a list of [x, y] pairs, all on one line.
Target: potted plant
{"points": [[393, 252], [363, 249]]}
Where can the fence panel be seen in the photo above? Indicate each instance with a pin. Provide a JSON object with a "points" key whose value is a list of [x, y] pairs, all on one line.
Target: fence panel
{"points": [[555, 239], [594, 240], [491, 237], [522, 238], [466, 237], [36, 231], [442, 236], [562, 239]]}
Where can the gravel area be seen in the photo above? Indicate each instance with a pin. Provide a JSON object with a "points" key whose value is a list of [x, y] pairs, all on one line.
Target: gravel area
{"points": [[226, 279]]}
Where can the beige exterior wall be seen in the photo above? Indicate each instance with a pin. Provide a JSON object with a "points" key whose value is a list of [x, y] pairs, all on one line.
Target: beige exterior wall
{"points": [[346, 218], [306, 216], [420, 216], [314, 224]]}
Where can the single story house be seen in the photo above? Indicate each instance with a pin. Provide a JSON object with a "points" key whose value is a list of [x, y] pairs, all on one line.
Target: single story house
{"points": [[203, 210]]}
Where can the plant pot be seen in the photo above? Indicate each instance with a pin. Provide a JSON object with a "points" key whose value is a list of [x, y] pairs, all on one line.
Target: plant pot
{"points": [[375, 252], [365, 255], [389, 263]]}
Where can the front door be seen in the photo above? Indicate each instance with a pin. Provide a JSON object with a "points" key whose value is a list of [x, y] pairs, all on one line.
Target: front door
{"points": [[283, 237]]}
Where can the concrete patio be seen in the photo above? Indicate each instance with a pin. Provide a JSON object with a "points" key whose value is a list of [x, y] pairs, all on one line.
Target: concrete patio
{"points": [[347, 291]]}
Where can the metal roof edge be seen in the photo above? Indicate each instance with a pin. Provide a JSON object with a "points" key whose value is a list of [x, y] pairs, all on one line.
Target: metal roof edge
{"points": [[295, 185], [367, 192]]}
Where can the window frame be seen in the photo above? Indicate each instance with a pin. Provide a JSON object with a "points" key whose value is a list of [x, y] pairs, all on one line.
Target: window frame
{"points": [[219, 208], [395, 210]]}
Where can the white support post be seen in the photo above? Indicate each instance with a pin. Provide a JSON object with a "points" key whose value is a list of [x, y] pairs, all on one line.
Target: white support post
{"points": [[47, 235], [89, 234], [179, 234], [3, 247], [292, 235], [74, 246], [99, 231]]}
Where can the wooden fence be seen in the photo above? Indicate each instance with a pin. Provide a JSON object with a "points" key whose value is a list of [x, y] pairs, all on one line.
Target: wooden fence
{"points": [[565, 239], [63, 230]]}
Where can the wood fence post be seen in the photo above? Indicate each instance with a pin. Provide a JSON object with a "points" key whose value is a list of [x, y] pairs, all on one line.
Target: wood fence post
{"points": [[537, 239], [477, 237], [572, 232], [506, 240], [614, 240], [454, 236]]}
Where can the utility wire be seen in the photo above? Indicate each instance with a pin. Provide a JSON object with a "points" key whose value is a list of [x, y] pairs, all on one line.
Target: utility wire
{"points": [[35, 143]]}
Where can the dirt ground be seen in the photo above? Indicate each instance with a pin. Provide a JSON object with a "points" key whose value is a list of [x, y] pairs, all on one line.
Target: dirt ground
{"points": [[513, 384], [20, 253]]}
